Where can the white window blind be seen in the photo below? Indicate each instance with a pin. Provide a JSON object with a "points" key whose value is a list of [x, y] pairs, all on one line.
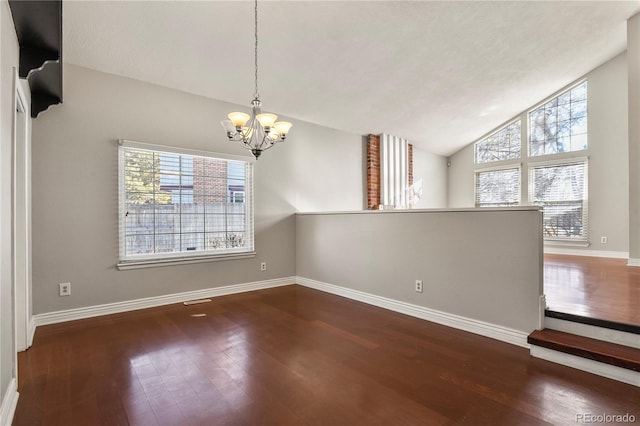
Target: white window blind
{"points": [[498, 188], [180, 205], [562, 190], [394, 171]]}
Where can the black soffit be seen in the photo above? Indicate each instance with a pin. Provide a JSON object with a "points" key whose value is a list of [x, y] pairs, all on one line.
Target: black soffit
{"points": [[39, 29]]}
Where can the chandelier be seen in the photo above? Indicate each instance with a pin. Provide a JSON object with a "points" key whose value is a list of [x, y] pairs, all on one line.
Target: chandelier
{"points": [[259, 131]]}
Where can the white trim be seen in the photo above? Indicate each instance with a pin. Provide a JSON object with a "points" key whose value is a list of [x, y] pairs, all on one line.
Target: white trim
{"points": [[594, 332], [515, 164], [183, 260], [414, 211], [589, 253], [601, 369], [633, 262], [580, 243], [21, 220], [9, 403], [177, 150], [542, 307], [31, 331], [515, 119], [561, 92], [493, 331], [150, 302], [559, 161]]}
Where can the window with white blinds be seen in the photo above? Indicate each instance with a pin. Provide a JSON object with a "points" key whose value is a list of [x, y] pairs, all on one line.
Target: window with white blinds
{"points": [[562, 190], [498, 188], [177, 205]]}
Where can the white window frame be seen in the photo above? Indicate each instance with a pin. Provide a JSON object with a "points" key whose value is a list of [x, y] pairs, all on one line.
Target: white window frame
{"points": [[510, 166], [492, 133], [547, 100], [565, 161], [164, 259], [526, 162]]}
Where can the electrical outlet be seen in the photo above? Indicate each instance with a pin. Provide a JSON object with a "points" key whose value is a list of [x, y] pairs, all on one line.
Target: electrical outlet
{"points": [[263, 266], [603, 240], [65, 289], [419, 286]]}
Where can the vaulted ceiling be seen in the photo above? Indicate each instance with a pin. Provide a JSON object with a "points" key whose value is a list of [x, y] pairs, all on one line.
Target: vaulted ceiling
{"points": [[438, 73]]}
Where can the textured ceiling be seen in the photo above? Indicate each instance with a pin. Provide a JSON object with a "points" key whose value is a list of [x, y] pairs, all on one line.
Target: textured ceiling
{"points": [[438, 73]]}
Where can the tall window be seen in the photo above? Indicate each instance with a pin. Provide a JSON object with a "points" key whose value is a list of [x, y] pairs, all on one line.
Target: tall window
{"points": [[505, 144], [498, 188], [556, 182], [562, 190], [176, 205], [560, 124]]}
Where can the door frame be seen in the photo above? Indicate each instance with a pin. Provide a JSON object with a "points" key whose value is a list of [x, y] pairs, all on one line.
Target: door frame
{"points": [[21, 218]]}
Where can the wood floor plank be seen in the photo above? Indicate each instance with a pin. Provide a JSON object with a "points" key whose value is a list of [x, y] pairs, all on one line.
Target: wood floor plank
{"points": [[594, 287], [294, 356], [597, 350]]}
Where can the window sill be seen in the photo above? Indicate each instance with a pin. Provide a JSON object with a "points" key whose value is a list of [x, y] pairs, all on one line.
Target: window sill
{"points": [[567, 243], [153, 263]]}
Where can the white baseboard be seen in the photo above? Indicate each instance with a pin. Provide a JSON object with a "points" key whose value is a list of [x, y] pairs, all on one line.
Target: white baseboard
{"points": [[150, 302], [9, 403], [493, 331], [586, 252], [31, 331], [601, 369], [633, 262], [542, 308]]}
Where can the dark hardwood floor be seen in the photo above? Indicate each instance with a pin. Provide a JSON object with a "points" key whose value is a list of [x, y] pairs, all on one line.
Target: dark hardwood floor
{"points": [[593, 287], [295, 356]]}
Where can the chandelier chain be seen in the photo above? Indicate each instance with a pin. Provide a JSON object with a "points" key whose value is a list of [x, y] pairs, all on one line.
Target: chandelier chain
{"points": [[258, 131], [255, 52]]}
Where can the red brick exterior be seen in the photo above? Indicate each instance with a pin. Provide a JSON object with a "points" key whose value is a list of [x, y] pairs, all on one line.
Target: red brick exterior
{"points": [[373, 172], [209, 190], [410, 161]]}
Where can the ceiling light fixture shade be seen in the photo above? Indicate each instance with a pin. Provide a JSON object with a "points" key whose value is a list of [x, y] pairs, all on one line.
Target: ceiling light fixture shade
{"points": [[259, 131]]}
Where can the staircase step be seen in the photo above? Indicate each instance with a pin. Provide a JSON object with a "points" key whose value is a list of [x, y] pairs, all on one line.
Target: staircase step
{"points": [[600, 333], [596, 322], [585, 347]]}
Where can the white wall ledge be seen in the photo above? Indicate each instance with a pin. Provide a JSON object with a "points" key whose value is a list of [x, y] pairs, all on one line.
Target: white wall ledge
{"points": [[452, 210]]}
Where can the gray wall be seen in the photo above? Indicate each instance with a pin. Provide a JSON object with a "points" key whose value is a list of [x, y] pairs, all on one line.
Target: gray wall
{"points": [[432, 169], [9, 49], [492, 274], [75, 223], [330, 173], [608, 160]]}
